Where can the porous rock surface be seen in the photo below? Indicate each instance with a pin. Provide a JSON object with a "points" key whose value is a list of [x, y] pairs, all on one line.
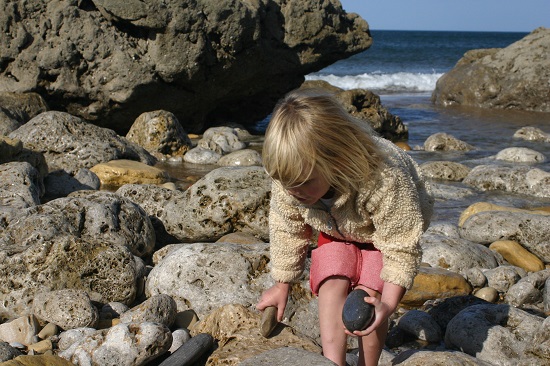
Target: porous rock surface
{"points": [[237, 329], [69, 143], [227, 272], [85, 243], [225, 200]]}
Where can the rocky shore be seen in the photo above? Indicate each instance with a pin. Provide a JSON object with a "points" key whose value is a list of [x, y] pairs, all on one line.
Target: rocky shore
{"points": [[109, 258], [106, 259]]}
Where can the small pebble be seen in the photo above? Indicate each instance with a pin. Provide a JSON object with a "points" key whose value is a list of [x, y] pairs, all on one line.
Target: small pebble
{"points": [[49, 330], [179, 337], [357, 314], [41, 347], [488, 294], [18, 345], [186, 319]]}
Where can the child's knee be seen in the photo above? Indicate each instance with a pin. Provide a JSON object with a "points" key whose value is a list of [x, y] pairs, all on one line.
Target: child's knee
{"points": [[372, 344], [335, 283]]}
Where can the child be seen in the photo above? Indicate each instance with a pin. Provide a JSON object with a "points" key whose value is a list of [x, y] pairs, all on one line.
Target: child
{"points": [[366, 198]]}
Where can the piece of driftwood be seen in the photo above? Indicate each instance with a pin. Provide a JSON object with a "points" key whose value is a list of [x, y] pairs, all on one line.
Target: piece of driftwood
{"points": [[190, 351]]}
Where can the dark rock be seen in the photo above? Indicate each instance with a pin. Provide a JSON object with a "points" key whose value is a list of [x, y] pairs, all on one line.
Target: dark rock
{"points": [[446, 309], [397, 337], [190, 351], [8, 352], [18, 108], [357, 314]]}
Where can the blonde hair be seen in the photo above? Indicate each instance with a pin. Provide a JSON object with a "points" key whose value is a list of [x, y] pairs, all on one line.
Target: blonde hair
{"points": [[311, 129]]}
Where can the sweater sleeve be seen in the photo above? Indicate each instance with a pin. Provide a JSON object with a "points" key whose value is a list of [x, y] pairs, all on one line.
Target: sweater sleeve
{"points": [[397, 216], [289, 237]]}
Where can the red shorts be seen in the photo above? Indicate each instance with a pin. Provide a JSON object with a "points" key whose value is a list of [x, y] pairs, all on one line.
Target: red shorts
{"points": [[360, 262]]}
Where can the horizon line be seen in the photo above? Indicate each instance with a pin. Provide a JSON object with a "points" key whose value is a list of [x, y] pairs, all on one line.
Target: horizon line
{"points": [[452, 30]]}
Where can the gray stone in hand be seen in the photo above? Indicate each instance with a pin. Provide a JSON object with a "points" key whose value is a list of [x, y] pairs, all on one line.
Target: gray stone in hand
{"points": [[357, 314], [268, 321]]}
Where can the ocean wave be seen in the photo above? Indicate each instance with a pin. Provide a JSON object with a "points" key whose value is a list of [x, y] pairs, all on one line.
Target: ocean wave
{"points": [[397, 82]]}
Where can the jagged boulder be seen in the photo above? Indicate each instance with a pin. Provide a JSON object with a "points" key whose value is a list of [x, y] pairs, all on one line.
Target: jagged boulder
{"points": [[18, 108], [515, 77], [205, 61]]}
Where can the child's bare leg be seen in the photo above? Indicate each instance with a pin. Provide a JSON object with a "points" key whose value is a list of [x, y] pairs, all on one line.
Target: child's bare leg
{"points": [[370, 346], [332, 296]]}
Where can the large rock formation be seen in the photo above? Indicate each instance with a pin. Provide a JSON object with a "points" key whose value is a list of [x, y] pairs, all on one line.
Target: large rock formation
{"points": [[206, 61], [515, 77]]}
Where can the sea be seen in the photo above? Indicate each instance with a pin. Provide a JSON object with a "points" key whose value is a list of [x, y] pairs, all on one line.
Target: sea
{"points": [[402, 67]]}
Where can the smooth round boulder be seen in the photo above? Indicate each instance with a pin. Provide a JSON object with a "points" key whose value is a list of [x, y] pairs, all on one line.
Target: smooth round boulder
{"points": [[444, 142], [245, 157], [517, 255], [116, 173], [444, 170], [435, 283], [520, 155]]}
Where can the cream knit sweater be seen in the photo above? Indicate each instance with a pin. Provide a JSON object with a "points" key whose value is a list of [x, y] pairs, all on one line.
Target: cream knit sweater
{"points": [[391, 211]]}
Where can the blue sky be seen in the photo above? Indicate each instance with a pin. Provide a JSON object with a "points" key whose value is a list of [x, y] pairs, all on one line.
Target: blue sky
{"points": [[461, 15]]}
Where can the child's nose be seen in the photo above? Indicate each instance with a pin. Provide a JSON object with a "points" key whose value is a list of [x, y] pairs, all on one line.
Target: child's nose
{"points": [[293, 191]]}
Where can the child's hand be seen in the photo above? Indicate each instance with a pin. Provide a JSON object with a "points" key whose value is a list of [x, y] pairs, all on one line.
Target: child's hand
{"points": [[276, 295]]}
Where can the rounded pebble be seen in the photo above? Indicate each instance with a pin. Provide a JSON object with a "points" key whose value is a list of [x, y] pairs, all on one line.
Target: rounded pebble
{"points": [[488, 294], [357, 314], [268, 321]]}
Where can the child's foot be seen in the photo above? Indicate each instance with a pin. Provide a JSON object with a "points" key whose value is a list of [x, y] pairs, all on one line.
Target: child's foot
{"points": [[357, 314]]}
